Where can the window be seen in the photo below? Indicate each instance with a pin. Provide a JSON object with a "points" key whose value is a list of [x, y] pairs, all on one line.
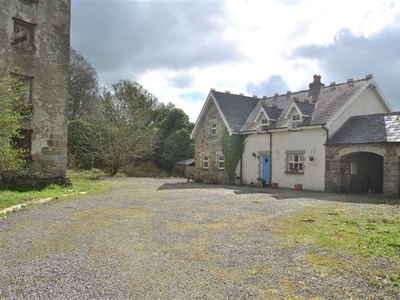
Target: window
{"points": [[221, 162], [24, 142], [295, 162], [25, 106], [295, 121], [264, 125], [29, 2], [213, 129], [27, 81], [205, 161], [24, 35]]}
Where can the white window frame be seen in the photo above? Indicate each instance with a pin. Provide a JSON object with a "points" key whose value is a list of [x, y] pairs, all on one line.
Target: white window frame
{"points": [[295, 120], [264, 124], [213, 129], [295, 162], [205, 161], [220, 161]]}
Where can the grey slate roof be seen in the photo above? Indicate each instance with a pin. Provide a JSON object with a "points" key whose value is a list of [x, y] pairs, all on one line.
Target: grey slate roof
{"points": [[320, 106], [377, 128], [323, 104], [273, 112], [305, 108], [236, 108]]}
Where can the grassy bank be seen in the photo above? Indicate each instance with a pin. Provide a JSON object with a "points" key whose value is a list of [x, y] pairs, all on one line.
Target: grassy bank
{"points": [[339, 237], [81, 182]]}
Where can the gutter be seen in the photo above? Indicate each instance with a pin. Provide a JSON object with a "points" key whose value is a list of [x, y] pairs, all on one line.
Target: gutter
{"points": [[327, 132], [270, 156]]}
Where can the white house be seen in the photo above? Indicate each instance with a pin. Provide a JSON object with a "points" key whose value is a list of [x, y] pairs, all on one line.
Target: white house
{"points": [[286, 135]]}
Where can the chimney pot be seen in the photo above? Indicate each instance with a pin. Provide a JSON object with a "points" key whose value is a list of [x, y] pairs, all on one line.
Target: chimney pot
{"points": [[316, 84], [265, 97], [228, 92], [213, 89], [241, 94], [276, 94], [369, 76], [350, 82], [254, 96]]}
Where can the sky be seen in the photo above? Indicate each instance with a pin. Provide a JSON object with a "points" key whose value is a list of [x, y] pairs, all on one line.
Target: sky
{"points": [[179, 50]]}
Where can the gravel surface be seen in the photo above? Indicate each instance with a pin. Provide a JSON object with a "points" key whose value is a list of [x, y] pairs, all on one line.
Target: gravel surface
{"points": [[170, 239]]}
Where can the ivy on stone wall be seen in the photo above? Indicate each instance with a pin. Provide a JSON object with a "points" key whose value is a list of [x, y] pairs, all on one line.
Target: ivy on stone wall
{"points": [[232, 149]]}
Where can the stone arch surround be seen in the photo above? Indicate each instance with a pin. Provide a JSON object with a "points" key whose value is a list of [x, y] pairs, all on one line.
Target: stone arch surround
{"points": [[334, 165]]}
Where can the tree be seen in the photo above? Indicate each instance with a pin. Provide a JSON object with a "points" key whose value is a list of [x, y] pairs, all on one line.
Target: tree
{"points": [[12, 90], [177, 146], [81, 151], [83, 88], [176, 119], [123, 134]]}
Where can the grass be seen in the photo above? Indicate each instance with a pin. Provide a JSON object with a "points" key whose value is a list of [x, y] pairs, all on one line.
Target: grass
{"points": [[334, 231], [81, 181]]}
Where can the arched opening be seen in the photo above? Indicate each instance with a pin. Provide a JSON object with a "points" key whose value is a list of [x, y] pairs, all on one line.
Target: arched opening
{"points": [[362, 172]]}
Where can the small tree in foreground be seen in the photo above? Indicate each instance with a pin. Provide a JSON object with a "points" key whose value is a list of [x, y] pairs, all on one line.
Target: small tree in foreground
{"points": [[12, 90]]}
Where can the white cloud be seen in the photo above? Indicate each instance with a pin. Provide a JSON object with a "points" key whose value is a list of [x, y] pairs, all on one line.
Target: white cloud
{"points": [[184, 48]]}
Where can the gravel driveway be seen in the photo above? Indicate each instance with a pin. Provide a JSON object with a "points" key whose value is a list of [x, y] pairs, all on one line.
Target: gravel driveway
{"points": [[167, 239]]}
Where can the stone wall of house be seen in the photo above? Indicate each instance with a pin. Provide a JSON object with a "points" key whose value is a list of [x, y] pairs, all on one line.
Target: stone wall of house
{"points": [[209, 145], [35, 44], [338, 177]]}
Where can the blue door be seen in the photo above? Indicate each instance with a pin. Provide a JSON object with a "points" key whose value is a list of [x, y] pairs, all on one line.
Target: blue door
{"points": [[265, 168]]}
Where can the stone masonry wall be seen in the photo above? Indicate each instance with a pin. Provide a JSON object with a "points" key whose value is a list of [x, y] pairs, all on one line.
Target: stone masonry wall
{"points": [[209, 145], [46, 63], [337, 168]]}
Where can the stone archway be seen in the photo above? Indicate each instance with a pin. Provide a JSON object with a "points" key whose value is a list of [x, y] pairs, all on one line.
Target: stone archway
{"points": [[378, 168], [362, 172]]}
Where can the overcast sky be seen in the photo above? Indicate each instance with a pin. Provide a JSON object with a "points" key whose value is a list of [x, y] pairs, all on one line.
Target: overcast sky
{"points": [[178, 50]]}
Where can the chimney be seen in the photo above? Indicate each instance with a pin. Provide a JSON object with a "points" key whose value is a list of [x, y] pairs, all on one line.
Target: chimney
{"points": [[316, 84]]}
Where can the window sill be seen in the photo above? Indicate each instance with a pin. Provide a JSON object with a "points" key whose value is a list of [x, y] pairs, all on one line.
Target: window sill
{"points": [[294, 172]]}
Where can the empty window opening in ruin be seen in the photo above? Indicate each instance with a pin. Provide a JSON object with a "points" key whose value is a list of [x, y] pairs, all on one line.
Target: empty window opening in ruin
{"points": [[29, 2], [24, 142], [24, 35], [27, 82]]}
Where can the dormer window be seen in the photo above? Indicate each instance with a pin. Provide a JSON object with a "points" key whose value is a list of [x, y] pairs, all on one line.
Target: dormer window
{"points": [[264, 125], [295, 121]]}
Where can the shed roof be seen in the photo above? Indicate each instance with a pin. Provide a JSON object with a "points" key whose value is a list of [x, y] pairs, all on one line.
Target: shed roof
{"points": [[377, 128]]}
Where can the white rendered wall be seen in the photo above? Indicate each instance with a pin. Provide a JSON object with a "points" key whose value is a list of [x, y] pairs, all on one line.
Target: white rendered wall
{"points": [[312, 142], [367, 103], [258, 144]]}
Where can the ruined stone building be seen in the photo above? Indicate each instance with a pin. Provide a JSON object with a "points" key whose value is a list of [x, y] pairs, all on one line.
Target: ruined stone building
{"points": [[34, 39]]}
